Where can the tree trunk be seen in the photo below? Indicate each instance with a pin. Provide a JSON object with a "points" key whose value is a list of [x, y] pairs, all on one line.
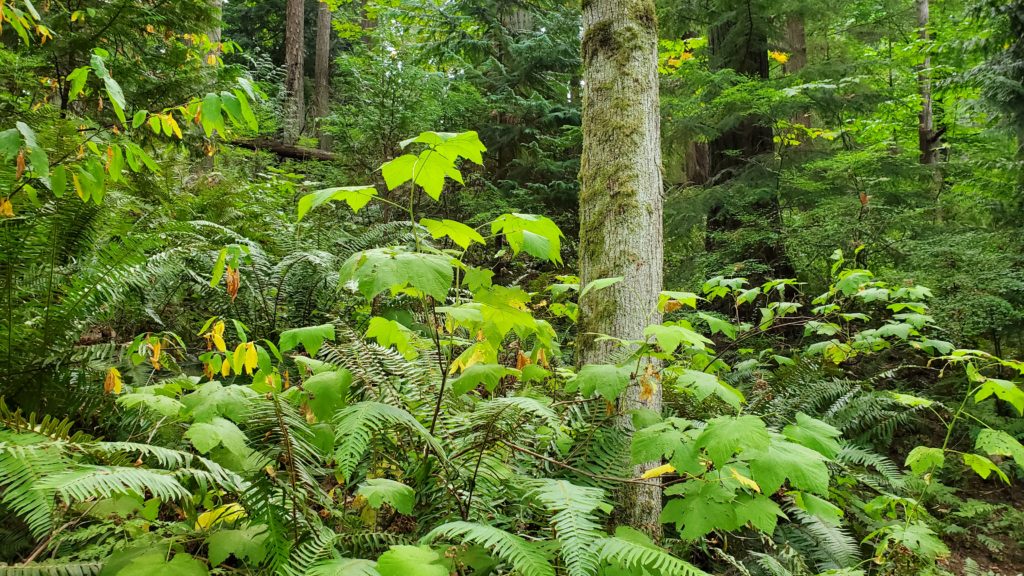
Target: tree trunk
{"points": [[926, 138], [322, 97], [294, 52], [621, 205], [743, 46], [796, 43]]}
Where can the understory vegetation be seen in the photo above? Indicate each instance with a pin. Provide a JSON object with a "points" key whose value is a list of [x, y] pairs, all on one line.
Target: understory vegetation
{"points": [[337, 332]]}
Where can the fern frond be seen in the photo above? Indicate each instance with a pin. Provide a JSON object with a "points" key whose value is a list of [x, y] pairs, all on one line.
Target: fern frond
{"points": [[524, 558], [831, 547], [86, 482], [574, 520], [356, 424], [635, 558], [22, 471], [46, 569]]}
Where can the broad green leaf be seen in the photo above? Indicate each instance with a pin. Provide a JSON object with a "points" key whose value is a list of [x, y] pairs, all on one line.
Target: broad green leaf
{"points": [[923, 459], [390, 333], [36, 154], [113, 89], [536, 235], [452, 145], [718, 325], [600, 284], [209, 114], [355, 196], [707, 506], [909, 400], [410, 560], [150, 561], [605, 379], [703, 385], [378, 491], [984, 467], [999, 443], [814, 434], [374, 271], [343, 567], [206, 436], [162, 405], [311, 338], [77, 80], [726, 435], [683, 299], [487, 374], [428, 171], [461, 234], [804, 468], [139, 118], [212, 399], [1004, 390], [817, 506], [245, 544], [918, 538], [655, 442], [670, 336], [328, 392], [760, 511]]}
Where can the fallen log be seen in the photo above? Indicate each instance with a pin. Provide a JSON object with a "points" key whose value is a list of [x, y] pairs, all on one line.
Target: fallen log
{"points": [[284, 150]]}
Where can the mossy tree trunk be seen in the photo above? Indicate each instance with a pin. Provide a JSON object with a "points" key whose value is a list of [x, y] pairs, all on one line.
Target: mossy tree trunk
{"points": [[322, 94], [621, 204], [926, 137], [294, 54]]}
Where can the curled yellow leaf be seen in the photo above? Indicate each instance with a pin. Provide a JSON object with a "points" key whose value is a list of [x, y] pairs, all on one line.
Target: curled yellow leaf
{"points": [[220, 514], [744, 481], [112, 383], [658, 471]]}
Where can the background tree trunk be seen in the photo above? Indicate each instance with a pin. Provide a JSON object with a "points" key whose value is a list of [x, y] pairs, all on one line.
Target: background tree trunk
{"points": [[294, 52], [621, 203], [796, 44], [926, 138], [742, 44], [322, 97]]}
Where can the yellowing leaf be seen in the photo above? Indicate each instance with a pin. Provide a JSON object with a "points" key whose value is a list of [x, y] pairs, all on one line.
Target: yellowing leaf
{"points": [[216, 336], [658, 471], [780, 57], [251, 358], [219, 515], [112, 382], [744, 481], [155, 358], [6, 210], [471, 356]]}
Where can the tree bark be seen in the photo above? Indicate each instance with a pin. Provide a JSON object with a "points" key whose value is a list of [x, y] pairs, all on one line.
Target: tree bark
{"points": [[294, 53], [796, 43], [621, 205], [926, 138], [322, 97], [743, 46]]}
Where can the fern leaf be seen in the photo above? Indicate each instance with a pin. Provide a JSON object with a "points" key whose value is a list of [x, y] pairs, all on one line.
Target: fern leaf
{"points": [[356, 424], [636, 557], [574, 520], [524, 558]]}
